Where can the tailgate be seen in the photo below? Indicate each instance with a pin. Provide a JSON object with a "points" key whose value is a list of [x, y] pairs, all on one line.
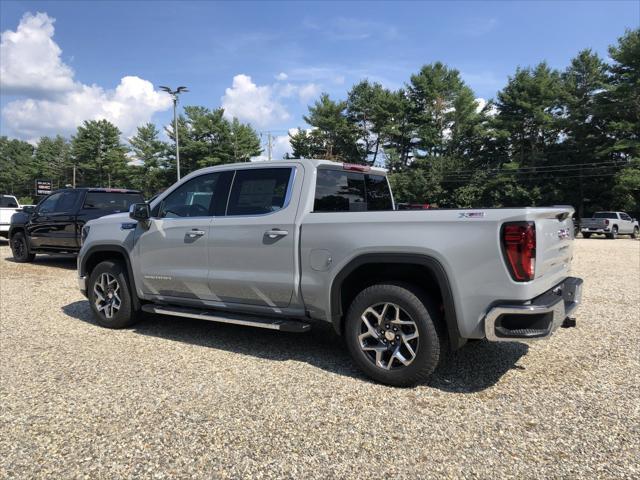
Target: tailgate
{"points": [[592, 223], [554, 242]]}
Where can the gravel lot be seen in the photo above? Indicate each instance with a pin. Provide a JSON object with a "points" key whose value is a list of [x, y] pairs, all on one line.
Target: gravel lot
{"points": [[189, 399]]}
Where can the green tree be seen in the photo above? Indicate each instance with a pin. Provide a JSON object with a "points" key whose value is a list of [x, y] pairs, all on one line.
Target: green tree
{"points": [[151, 153], [529, 107], [99, 155], [207, 138], [17, 170], [622, 98], [584, 127], [53, 160], [334, 134]]}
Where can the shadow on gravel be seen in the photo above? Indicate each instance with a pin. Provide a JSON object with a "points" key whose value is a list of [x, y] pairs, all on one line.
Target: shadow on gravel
{"points": [[68, 262], [476, 367]]}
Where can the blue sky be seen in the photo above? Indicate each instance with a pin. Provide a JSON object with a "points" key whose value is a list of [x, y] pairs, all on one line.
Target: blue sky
{"points": [[266, 61]]}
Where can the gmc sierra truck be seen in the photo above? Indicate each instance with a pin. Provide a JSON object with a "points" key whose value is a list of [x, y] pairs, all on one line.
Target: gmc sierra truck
{"points": [[610, 224], [55, 224], [281, 245]]}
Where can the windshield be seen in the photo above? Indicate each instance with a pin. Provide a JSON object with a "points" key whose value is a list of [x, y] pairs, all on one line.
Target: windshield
{"points": [[605, 215]]}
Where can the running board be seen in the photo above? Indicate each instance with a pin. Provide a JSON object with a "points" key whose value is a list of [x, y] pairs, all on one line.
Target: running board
{"points": [[283, 325]]}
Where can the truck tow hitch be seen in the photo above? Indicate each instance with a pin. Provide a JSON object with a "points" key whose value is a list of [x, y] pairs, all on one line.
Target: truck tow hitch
{"points": [[569, 322]]}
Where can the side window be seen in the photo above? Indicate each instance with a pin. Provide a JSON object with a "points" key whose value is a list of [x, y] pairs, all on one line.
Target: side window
{"points": [[378, 193], [8, 202], [66, 202], [48, 205], [258, 191], [339, 191], [191, 199], [625, 217]]}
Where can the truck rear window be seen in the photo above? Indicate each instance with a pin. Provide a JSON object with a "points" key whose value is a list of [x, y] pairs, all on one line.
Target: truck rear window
{"points": [[605, 215], [342, 191], [112, 201]]}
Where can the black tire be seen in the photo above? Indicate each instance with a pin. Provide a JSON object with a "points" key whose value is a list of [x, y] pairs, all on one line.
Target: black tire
{"points": [[421, 310], [586, 235], [125, 315], [20, 248], [636, 232], [614, 233]]}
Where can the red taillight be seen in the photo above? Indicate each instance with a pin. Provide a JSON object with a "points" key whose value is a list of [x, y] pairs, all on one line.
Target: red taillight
{"points": [[519, 245], [606, 222]]}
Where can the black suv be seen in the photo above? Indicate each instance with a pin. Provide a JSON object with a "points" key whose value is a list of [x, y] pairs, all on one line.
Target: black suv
{"points": [[55, 224]]}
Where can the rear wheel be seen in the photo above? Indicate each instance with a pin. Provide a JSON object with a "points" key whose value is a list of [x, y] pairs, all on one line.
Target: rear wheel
{"points": [[20, 248], [109, 296], [614, 233], [636, 232], [586, 235], [393, 334]]}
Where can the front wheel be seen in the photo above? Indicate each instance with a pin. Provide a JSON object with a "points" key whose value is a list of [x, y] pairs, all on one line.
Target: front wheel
{"points": [[393, 334], [109, 296], [20, 248]]}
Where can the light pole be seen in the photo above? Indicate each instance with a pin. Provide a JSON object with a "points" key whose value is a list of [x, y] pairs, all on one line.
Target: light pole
{"points": [[174, 96]]}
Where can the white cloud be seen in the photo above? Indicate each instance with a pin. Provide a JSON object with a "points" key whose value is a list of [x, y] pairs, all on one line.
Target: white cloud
{"points": [[282, 76], [308, 92], [31, 61], [132, 103], [31, 66], [251, 103]]}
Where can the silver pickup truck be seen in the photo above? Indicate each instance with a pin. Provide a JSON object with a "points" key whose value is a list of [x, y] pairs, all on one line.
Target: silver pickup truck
{"points": [[610, 224], [282, 245]]}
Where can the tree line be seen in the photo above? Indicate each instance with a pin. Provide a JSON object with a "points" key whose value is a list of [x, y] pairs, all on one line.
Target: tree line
{"points": [[98, 156], [549, 137]]}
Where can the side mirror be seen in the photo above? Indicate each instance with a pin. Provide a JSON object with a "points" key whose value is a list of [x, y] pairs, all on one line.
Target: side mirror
{"points": [[29, 209], [140, 211]]}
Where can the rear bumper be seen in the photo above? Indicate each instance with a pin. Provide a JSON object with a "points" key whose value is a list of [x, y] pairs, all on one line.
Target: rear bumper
{"points": [[595, 230], [535, 319]]}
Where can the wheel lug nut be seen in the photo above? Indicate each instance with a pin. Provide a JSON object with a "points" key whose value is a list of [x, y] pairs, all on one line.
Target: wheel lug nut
{"points": [[386, 326], [395, 329], [397, 337]]}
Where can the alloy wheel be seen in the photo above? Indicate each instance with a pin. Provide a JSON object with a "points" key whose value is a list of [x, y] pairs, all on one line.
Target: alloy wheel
{"points": [[107, 291], [388, 336], [19, 247]]}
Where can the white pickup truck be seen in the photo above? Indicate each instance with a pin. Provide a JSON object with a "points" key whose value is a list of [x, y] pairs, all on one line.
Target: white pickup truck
{"points": [[282, 245], [610, 224], [8, 206]]}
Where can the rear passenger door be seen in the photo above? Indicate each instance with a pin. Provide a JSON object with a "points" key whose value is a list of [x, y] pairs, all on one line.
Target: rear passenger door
{"points": [[252, 248]]}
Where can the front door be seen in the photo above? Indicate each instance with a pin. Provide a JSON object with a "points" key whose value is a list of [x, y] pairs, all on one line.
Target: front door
{"points": [[53, 224], [253, 247], [172, 250]]}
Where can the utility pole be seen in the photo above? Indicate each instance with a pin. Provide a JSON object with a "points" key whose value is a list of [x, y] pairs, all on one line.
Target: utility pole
{"points": [[174, 96], [269, 144]]}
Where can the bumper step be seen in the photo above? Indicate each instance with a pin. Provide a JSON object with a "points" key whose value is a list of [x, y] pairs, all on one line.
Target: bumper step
{"points": [[271, 323]]}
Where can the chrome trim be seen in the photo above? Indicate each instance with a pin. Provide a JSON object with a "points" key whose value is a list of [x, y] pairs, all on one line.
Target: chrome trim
{"points": [[82, 283], [565, 305]]}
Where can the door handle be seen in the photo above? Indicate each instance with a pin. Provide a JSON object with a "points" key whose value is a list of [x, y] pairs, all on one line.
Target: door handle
{"points": [[276, 232], [195, 233]]}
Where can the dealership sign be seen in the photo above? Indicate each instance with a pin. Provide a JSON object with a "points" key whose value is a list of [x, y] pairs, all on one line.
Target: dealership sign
{"points": [[44, 187]]}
